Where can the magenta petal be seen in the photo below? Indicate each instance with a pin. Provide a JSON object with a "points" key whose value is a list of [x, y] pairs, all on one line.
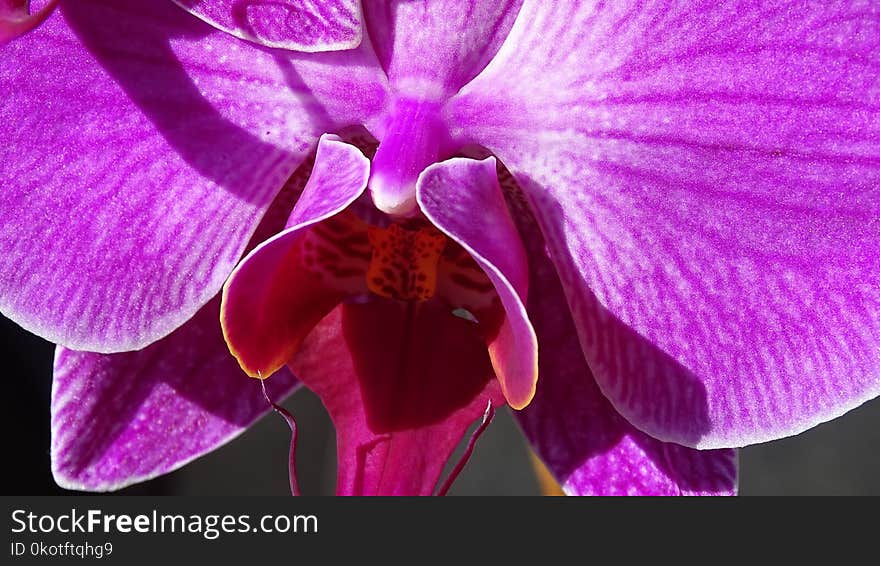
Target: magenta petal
{"points": [[315, 25], [708, 182], [269, 303], [140, 149], [118, 419], [462, 198], [15, 20], [401, 399], [588, 446], [433, 48]]}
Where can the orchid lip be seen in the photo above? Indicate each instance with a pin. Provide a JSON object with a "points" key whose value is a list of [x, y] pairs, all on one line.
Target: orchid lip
{"points": [[365, 310]]}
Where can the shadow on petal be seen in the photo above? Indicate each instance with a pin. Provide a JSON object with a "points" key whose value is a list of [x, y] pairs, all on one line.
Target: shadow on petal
{"points": [[591, 448], [614, 350], [126, 49]]}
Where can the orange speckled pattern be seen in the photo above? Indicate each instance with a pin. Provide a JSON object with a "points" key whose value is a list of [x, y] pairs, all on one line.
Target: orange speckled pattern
{"points": [[404, 263]]}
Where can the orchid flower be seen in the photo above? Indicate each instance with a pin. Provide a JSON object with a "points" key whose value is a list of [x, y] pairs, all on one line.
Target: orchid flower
{"points": [[651, 230]]}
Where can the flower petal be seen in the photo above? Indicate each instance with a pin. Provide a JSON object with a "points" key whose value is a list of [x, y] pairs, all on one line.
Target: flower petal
{"points": [[15, 20], [462, 198], [432, 48], [118, 419], [708, 183], [401, 399], [140, 149], [105, 405], [588, 446], [298, 25], [271, 302]]}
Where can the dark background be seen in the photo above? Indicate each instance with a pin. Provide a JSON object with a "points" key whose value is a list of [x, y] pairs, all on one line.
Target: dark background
{"points": [[837, 458]]}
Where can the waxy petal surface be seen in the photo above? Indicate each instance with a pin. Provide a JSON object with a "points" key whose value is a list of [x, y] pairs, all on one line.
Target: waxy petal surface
{"points": [[270, 303], [588, 446], [298, 25], [708, 181], [402, 387], [15, 20], [118, 419], [140, 149], [462, 198], [434, 47]]}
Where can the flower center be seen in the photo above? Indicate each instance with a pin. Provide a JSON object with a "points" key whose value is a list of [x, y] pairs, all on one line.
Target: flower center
{"points": [[404, 262]]}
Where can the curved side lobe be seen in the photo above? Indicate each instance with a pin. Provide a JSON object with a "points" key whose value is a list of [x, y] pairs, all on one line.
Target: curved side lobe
{"points": [[284, 287], [462, 198]]}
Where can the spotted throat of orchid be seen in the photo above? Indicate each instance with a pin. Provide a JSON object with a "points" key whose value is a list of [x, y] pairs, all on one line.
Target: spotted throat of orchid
{"points": [[652, 231], [420, 310]]}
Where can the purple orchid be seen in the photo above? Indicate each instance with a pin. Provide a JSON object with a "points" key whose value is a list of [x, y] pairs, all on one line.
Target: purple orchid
{"points": [[652, 230]]}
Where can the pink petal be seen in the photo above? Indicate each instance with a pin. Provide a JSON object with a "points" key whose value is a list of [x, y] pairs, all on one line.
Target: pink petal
{"points": [[269, 303], [118, 419], [140, 150], [707, 180], [299, 25], [462, 198], [433, 48], [401, 399]]}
